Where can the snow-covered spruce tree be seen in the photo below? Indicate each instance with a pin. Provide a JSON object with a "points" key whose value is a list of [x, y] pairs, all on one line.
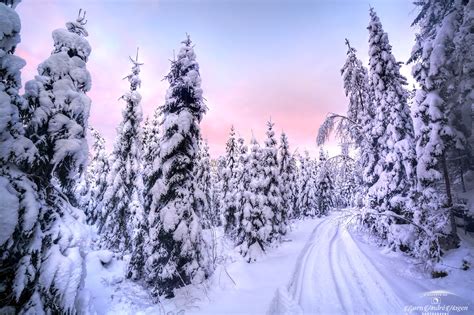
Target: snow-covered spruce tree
{"points": [[439, 75], [272, 204], [324, 186], [124, 195], [151, 165], [82, 191], [19, 200], [151, 136], [229, 185], [217, 171], [50, 266], [287, 181], [202, 175], [344, 178], [295, 157], [393, 129], [307, 199], [98, 170], [65, 116], [175, 253], [256, 222], [463, 117], [243, 179]]}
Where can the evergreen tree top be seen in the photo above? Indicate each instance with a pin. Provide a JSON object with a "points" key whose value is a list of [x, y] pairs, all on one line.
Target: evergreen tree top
{"points": [[284, 141], [78, 26], [185, 83], [384, 69], [11, 3], [133, 78], [72, 39], [231, 143], [99, 142], [350, 50], [270, 141]]}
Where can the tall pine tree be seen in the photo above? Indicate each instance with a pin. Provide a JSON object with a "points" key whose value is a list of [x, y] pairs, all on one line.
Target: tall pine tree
{"points": [[324, 186], [307, 199], [202, 175], [175, 245], [151, 139], [287, 181], [19, 201], [124, 195], [443, 68], [229, 185], [255, 227], [393, 131], [50, 267], [243, 179], [272, 203], [98, 170]]}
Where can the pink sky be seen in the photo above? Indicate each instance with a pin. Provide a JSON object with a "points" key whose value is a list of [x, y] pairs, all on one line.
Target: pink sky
{"points": [[259, 60]]}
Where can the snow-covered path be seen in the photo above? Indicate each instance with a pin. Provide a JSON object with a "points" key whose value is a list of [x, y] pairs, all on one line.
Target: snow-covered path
{"points": [[337, 274], [321, 268], [333, 275]]}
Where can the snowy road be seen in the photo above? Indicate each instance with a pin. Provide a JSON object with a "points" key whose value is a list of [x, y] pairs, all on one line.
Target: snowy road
{"points": [[336, 275]]}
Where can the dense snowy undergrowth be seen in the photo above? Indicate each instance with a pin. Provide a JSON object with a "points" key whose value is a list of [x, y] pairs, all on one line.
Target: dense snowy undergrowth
{"points": [[237, 287]]}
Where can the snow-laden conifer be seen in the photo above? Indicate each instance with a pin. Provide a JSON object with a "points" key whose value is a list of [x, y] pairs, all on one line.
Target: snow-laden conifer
{"points": [[228, 185], [202, 176], [256, 223], [151, 134], [175, 254], [51, 270], [324, 186], [97, 172], [243, 179], [217, 174], [124, 194], [393, 130], [444, 73], [19, 200], [287, 181], [307, 199], [272, 203]]}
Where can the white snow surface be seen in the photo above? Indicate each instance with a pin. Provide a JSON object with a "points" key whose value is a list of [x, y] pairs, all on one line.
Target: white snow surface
{"points": [[322, 267], [339, 273]]}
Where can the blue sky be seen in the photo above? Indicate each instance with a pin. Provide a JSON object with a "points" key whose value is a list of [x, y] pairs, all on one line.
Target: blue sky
{"points": [[259, 59]]}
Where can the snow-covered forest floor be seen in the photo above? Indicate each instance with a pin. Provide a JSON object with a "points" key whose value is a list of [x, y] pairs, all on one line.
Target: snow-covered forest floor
{"points": [[323, 266], [235, 287]]}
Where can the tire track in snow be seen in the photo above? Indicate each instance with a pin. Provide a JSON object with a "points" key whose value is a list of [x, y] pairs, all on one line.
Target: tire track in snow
{"points": [[380, 295], [304, 289], [333, 275], [298, 274], [348, 279], [335, 272]]}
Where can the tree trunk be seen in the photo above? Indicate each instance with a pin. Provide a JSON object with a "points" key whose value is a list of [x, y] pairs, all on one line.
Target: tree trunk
{"points": [[453, 241]]}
